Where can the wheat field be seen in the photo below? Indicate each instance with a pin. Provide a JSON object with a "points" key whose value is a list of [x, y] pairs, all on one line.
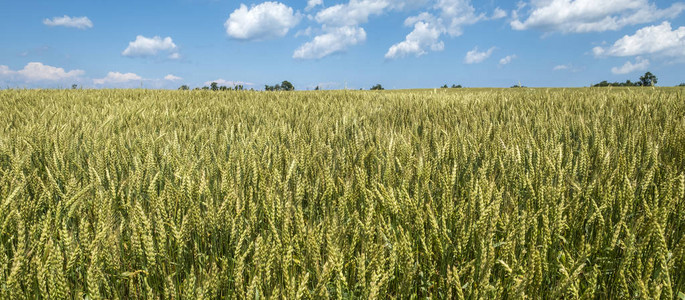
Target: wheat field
{"points": [[468, 194]]}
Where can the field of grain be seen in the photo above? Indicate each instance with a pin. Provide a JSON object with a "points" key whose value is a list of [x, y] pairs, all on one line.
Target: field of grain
{"points": [[459, 194]]}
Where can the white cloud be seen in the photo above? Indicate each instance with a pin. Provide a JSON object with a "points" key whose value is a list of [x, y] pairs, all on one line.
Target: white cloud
{"points": [[658, 39], [576, 16], [507, 59], [498, 14], [172, 77], [313, 3], [455, 14], [474, 56], [344, 20], [263, 21], [450, 18], [424, 36], [144, 47], [629, 67], [175, 55], [35, 71], [5, 71], [352, 13], [561, 67], [116, 77], [229, 83], [67, 21], [333, 41], [305, 32]]}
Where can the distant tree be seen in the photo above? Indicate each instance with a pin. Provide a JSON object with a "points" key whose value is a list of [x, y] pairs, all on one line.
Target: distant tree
{"points": [[214, 86], [444, 86], [515, 86], [223, 88], [317, 88], [682, 84], [628, 83], [239, 87], [377, 87], [456, 86], [648, 79], [205, 88], [287, 86], [283, 86], [184, 88], [74, 86]]}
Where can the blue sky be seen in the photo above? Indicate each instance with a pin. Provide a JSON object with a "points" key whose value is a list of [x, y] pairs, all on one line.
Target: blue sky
{"points": [[333, 44]]}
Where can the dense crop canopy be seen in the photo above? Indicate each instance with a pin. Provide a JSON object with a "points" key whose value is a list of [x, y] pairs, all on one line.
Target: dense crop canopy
{"points": [[462, 194]]}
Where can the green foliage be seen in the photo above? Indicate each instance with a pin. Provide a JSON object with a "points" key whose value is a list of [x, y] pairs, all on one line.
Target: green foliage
{"points": [[648, 79], [283, 86], [287, 86], [617, 84], [481, 194], [184, 88], [377, 87]]}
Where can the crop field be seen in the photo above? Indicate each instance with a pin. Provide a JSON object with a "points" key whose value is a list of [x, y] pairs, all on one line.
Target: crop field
{"points": [[459, 194]]}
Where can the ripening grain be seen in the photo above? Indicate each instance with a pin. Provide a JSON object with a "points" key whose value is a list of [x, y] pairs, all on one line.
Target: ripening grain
{"points": [[133, 194]]}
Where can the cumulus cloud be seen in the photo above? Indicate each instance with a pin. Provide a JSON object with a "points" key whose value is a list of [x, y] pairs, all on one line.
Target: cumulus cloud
{"points": [[117, 78], [498, 14], [344, 20], [36, 71], [474, 56], [341, 26], [260, 22], [577, 16], [658, 40], [424, 36], [313, 3], [305, 32], [455, 14], [172, 77], [145, 47], [352, 13], [228, 82], [334, 41], [5, 71], [450, 18], [629, 67], [507, 59], [67, 21]]}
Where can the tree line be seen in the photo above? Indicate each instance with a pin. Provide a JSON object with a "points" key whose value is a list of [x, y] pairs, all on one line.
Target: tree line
{"points": [[648, 79], [283, 86]]}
